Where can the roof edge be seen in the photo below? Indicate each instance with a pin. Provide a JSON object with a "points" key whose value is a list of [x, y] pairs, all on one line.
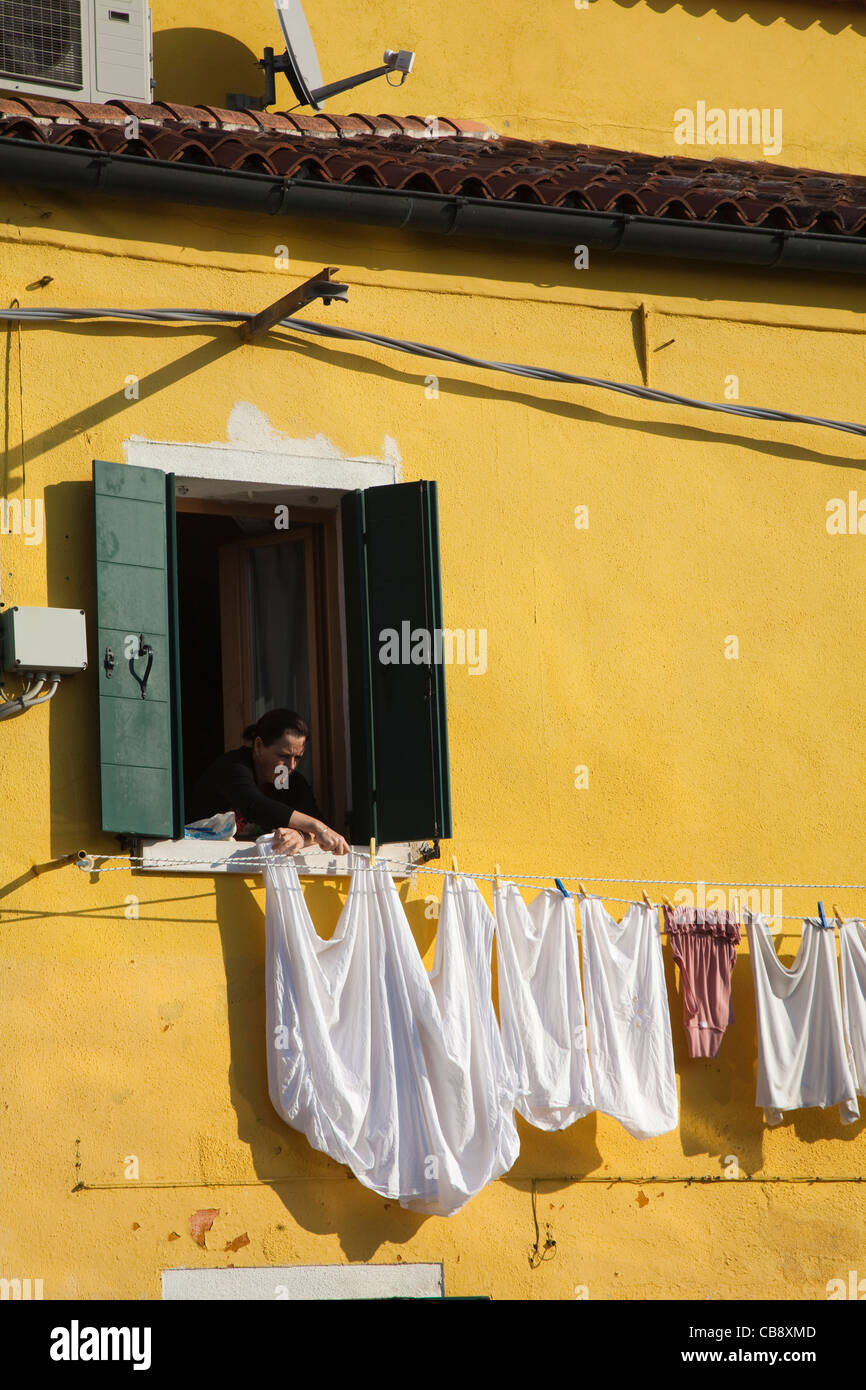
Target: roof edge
{"points": [[425, 213]]}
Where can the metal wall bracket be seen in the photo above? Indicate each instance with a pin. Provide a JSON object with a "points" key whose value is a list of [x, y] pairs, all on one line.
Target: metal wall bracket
{"points": [[321, 286]]}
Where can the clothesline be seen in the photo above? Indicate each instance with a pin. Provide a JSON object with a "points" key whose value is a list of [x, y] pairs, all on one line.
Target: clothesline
{"points": [[88, 864], [577, 1029], [413, 866]]}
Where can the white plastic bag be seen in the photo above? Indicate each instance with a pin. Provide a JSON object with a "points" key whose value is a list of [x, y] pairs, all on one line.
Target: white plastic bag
{"points": [[219, 827]]}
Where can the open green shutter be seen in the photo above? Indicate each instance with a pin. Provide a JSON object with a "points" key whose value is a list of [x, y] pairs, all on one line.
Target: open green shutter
{"points": [[137, 605], [400, 779]]}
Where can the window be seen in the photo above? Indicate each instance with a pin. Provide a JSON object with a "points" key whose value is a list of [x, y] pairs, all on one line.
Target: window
{"points": [[171, 689], [258, 608]]}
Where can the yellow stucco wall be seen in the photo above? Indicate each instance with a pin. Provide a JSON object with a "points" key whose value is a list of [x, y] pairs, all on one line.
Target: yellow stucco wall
{"points": [[606, 648], [611, 74]]}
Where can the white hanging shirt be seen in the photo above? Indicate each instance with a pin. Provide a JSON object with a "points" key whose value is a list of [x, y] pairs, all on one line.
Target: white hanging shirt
{"points": [[852, 957], [396, 1073], [803, 1058], [541, 1006], [628, 1021]]}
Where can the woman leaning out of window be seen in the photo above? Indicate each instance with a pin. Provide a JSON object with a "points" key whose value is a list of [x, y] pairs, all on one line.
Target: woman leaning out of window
{"points": [[261, 784]]}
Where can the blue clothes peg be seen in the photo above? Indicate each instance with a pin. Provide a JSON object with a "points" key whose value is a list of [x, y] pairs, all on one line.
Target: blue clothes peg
{"points": [[823, 918], [562, 888]]}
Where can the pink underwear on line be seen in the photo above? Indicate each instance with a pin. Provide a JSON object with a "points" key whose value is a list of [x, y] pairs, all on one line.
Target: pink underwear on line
{"points": [[704, 944]]}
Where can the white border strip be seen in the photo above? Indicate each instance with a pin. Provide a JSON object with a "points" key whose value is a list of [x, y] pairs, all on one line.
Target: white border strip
{"points": [[294, 1282]]}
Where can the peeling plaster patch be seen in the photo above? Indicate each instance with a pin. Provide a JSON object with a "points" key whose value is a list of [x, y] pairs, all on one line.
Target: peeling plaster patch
{"points": [[249, 428], [200, 1223], [240, 1241], [642, 1199]]}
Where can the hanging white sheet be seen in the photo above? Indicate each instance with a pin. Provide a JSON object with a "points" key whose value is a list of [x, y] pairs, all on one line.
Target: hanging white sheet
{"points": [[631, 1053], [396, 1073], [852, 958], [803, 1058], [541, 1006]]}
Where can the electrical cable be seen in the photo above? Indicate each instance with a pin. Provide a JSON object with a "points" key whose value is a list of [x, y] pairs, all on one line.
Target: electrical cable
{"points": [[49, 695], [647, 393], [21, 413], [29, 698]]}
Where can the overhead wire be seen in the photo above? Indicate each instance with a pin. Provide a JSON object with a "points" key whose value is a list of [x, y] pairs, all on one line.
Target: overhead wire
{"points": [[417, 349]]}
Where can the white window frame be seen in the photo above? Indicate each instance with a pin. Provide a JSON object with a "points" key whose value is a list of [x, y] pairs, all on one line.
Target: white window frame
{"points": [[226, 473]]}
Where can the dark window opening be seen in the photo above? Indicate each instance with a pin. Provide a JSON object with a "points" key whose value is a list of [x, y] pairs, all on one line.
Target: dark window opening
{"points": [[259, 630]]}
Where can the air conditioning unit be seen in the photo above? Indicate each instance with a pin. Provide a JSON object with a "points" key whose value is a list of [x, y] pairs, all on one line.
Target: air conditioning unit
{"points": [[87, 49]]}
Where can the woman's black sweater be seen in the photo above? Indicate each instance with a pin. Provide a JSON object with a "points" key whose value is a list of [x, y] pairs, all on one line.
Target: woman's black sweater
{"points": [[230, 785]]}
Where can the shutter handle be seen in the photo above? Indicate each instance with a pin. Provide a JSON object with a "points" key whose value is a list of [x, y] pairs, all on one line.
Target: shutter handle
{"points": [[144, 649], [108, 663]]}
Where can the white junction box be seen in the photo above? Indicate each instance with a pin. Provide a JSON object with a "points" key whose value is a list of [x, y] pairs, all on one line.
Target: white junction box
{"points": [[43, 639]]}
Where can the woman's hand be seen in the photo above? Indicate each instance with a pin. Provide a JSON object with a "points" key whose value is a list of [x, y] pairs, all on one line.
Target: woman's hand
{"points": [[288, 841], [316, 832], [329, 840]]}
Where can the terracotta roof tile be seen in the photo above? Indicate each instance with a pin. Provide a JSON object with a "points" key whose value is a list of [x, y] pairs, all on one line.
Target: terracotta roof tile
{"points": [[79, 136], [50, 110], [22, 128], [414, 126], [190, 115], [91, 111], [231, 120], [313, 125], [152, 115], [275, 121], [10, 107], [386, 125], [350, 125], [453, 157]]}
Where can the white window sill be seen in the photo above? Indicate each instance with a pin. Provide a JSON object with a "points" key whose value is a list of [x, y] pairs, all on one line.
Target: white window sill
{"points": [[242, 857]]}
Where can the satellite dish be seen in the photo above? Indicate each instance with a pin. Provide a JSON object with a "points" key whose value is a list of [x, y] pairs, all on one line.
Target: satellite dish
{"points": [[305, 74], [301, 65]]}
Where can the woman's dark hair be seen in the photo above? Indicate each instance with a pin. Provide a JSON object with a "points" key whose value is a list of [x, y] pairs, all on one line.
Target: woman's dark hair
{"points": [[276, 722]]}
